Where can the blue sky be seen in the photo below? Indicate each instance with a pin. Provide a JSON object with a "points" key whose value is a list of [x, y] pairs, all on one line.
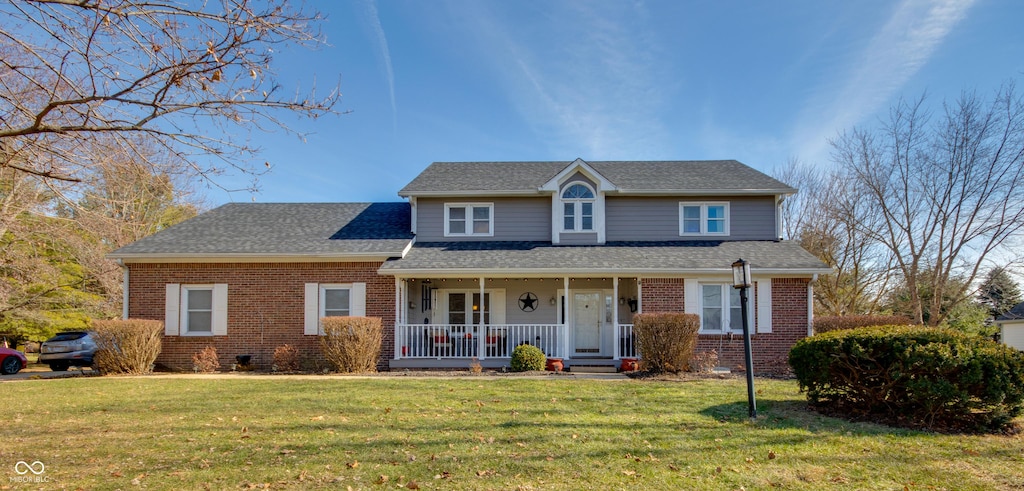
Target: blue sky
{"points": [[759, 82]]}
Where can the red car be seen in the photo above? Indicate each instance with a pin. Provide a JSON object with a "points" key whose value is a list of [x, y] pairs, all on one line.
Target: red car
{"points": [[12, 361]]}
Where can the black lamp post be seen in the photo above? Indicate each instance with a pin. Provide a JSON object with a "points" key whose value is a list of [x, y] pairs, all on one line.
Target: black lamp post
{"points": [[741, 280]]}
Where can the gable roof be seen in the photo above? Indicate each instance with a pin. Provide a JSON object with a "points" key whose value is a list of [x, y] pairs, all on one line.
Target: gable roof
{"points": [[543, 258], [269, 230], [1016, 313], [629, 177]]}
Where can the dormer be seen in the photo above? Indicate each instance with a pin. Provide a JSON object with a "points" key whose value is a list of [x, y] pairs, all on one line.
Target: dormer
{"points": [[578, 204]]}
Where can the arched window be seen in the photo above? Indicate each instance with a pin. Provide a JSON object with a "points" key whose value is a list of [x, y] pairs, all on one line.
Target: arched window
{"points": [[578, 208]]}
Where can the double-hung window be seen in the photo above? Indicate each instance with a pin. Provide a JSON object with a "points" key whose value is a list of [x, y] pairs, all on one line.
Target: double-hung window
{"points": [[469, 219], [704, 218], [578, 208], [335, 301], [197, 315], [196, 310], [332, 300], [720, 308]]}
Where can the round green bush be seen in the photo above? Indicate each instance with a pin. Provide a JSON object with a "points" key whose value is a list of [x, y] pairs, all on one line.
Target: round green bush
{"points": [[919, 377], [526, 358]]}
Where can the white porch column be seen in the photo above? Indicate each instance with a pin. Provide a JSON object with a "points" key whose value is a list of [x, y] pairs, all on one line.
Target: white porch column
{"points": [[615, 318], [639, 296], [565, 318], [398, 316], [481, 335]]}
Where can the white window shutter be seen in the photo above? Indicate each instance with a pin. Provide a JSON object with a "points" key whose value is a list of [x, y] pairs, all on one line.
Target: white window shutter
{"points": [[357, 300], [311, 326], [691, 296], [764, 305], [171, 309], [220, 309]]}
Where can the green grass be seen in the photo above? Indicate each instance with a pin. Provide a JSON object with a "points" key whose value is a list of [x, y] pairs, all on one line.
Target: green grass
{"points": [[469, 433]]}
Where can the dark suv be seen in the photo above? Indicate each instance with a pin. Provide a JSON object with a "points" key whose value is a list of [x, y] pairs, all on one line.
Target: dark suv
{"points": [[71, 348]]}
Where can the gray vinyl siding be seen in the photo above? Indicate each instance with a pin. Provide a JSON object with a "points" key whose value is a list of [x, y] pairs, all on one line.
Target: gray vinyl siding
{"points": [[514, 219], [632, 219]]}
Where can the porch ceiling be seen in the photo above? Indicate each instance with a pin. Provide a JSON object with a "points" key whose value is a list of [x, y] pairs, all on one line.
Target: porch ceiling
{"points": [[621, 258]]}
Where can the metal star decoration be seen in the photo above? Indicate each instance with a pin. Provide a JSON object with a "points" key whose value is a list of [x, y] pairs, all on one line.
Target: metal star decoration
{"points": [[528, 302]]}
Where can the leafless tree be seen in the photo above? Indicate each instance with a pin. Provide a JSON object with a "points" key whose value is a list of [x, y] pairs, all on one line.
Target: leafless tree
{"points": [[192, 75], [822, 218], [944, 192]]}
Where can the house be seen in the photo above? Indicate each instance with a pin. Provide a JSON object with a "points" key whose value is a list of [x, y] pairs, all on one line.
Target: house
{"points": [[1011, 327], [484, 256]]}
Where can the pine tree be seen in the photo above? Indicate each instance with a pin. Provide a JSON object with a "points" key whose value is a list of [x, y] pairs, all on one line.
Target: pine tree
{"points": [[999, 293]]}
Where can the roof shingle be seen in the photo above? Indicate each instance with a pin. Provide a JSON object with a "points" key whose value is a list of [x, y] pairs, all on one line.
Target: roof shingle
{"points": [[613, 257], [294, 229], [684, 176]]}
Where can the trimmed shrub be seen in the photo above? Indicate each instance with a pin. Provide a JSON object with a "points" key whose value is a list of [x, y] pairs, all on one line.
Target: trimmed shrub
{"points": [[127, 346], [352, 344], [666, 341], [206, 360], [527, 358], [704, 362], [286, 358], [918, 377], [826, 323]]}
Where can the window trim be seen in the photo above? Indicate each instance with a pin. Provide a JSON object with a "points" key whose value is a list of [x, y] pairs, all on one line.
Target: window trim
{"points": [[726, 307], [176, 309], [704, 218], [577, 203], [323, 297], [468, 207], [185, 289]]}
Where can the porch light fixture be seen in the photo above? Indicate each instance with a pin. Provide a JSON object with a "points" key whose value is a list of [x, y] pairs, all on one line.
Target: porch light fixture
{"points": [[741, 281]]}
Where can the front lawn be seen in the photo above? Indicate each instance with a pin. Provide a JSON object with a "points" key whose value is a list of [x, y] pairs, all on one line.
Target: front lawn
{"points": [[467, 433]]}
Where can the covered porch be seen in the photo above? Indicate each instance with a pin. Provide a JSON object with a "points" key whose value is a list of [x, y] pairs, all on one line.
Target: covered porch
{"points": [[447, 322]]}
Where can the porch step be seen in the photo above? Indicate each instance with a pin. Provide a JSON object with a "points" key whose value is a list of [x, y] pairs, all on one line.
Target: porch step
{"points": [[575, 368]]}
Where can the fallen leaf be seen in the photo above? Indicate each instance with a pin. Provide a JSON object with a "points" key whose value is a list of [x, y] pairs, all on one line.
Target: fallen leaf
{"points": [[381, 480], [412, 485], [353, 464], [771, 455], [317, 418]]}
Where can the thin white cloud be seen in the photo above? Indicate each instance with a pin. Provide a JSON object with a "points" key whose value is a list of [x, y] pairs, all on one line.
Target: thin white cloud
{"points": [[585, 79], [877, 73], [384, 53]]}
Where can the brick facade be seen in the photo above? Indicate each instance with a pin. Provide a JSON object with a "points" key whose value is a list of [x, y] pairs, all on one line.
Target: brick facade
{"points": [[265, 306], [770, 350]]}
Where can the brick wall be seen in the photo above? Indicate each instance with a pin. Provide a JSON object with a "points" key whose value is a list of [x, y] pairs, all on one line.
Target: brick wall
{"points": [[265, 306], [770, 350], [662, 295]]}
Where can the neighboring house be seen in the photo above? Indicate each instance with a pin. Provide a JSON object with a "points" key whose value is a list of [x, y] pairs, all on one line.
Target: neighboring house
{"points": [[1011, 327], [485, 256]]}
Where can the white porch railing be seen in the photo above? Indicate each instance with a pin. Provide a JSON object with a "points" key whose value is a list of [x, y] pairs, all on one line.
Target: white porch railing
{"points": [[467, 341], [626, 346]]}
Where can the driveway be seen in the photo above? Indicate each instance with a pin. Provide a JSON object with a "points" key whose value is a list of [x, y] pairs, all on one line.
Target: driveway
{"points": [[36, 371]]}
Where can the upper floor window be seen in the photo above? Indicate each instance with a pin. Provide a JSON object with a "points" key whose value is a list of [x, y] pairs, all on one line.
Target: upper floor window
{"points": [[703, 218], [469, 219], [578, 208]]}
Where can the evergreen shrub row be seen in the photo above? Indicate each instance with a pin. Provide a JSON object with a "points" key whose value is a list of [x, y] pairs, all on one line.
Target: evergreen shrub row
{"points": [[918, 377]]}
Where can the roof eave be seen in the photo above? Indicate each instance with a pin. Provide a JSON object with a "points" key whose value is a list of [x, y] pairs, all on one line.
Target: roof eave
{"points": [[463, 194], [150, 258], [549, 272], [707, 192]]}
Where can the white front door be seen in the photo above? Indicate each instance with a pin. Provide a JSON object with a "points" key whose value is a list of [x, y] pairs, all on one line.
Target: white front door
{"points": [[587, 315]]}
